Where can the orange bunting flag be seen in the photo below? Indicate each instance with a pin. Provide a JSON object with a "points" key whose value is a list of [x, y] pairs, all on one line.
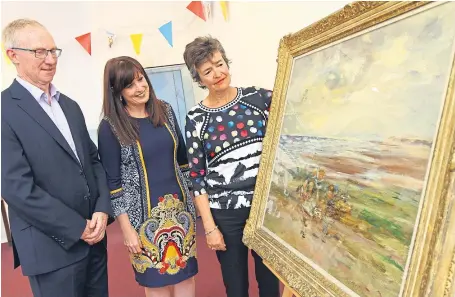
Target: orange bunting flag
{"points": [[137, 42], [86, 42], [197, 8], [224, 9]]}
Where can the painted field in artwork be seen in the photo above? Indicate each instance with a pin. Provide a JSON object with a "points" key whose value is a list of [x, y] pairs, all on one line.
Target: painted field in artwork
{"points": [[356, 142]]}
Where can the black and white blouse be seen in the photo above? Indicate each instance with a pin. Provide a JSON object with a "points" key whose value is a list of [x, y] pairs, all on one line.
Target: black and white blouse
{"points": [[224, 147]]}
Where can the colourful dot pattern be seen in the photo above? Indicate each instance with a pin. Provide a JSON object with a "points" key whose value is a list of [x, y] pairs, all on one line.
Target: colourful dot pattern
{"points": [[229, 126], [244, 118]]}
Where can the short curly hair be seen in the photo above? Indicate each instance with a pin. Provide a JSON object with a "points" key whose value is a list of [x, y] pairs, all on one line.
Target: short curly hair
{"points": [[199, 51]]}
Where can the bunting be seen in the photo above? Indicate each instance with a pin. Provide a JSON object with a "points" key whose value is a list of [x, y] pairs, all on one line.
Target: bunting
{"points": [[166, 31], [110, 38], [202, 9], [208, 9], [86, 42], [197, 8], [224, 9], [137, 42]]}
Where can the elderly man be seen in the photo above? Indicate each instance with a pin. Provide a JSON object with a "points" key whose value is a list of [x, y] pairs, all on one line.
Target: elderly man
{"points": [[52, 180]]}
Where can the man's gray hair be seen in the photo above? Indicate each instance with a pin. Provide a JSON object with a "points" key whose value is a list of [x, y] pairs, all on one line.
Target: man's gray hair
{"points": [[10, 36], [199, 51]]}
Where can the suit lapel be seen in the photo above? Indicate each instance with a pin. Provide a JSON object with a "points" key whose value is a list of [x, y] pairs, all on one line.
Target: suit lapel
{"points": [[72, 123], [35, 111]]}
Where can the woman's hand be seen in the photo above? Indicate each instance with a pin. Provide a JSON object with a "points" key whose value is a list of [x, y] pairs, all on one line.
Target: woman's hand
{"points": [[132, 241], [215, 240]]}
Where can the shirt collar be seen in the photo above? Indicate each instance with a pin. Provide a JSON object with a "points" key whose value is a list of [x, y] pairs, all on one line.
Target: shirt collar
{"points": [[36, 92]]}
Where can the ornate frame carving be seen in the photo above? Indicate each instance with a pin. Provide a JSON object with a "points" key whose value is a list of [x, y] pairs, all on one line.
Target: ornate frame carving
{"points": [[432, 264]]}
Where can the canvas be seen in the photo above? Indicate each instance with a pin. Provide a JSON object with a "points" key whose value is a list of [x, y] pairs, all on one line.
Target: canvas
{"points": [[359, 140]]}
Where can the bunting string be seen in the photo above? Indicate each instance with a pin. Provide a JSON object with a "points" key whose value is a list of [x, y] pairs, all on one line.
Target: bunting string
{"points": [[195, 11], [167, 29]]}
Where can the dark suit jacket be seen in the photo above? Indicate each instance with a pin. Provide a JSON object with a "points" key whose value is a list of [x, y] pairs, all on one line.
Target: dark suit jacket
{"points": [[49, 194]]}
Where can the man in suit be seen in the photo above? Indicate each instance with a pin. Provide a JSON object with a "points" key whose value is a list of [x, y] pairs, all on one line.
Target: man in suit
{"points": [[52, 179]]}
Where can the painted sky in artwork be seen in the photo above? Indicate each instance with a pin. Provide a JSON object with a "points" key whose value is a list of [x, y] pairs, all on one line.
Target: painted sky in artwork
{"points": [[387, 83]]}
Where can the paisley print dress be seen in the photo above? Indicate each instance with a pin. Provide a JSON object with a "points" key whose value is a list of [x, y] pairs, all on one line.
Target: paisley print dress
{"points": [[148, 181]]}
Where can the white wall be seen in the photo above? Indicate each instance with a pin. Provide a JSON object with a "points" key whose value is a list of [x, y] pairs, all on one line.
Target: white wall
{"points": [[250, 38]]}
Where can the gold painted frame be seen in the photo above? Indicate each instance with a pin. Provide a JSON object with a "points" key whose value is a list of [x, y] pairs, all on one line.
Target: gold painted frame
{"points": [[432, 261]]}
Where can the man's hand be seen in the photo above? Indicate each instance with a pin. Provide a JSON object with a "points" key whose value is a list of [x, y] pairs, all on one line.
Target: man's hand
{"points": [[98, 227], [87, 231]]}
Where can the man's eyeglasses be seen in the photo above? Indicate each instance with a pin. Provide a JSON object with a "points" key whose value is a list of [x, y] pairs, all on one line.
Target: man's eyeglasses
{"points": [[42, 53]]}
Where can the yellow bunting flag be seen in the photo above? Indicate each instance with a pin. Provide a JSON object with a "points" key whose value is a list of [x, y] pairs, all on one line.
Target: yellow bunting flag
{"points": [[5, 56], [224, 9], [137, 41]]}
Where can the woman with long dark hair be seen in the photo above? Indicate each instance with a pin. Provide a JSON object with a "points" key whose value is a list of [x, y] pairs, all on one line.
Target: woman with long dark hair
{"points": [[144, 155]]}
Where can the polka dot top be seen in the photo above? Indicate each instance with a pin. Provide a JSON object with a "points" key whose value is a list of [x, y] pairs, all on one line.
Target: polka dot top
{"points": [[224, 147]]}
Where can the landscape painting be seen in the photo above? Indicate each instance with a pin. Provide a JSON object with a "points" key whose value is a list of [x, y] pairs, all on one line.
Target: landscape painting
{"points": [[355, 148]]}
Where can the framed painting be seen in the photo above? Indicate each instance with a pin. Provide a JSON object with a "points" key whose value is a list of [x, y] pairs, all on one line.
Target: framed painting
{"points": [[351, 196]]}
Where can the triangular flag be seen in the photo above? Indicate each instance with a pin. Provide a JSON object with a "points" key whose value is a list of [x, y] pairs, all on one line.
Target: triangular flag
{"points": [[137, 41], [86, 42], [110, 38], [208, 8], [224, 9], [197, 8], [5, 56], [166, 30]]}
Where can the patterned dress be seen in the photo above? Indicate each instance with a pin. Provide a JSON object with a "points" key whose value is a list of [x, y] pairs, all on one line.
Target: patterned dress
{"points": [[225, 146], [147, 182]]}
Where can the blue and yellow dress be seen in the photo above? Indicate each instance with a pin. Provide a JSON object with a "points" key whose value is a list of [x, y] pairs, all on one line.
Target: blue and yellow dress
{"points": [[148, 181]]}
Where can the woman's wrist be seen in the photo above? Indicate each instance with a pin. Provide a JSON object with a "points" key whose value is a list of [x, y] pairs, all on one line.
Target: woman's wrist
{"points": [[126, 227], [209, 226], [210, 231]]}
